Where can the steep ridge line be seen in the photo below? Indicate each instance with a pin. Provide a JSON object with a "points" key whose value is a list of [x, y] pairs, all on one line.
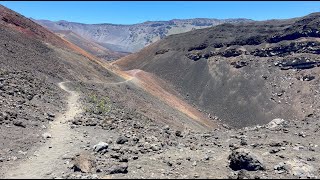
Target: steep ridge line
{"points": [[46, 158]]}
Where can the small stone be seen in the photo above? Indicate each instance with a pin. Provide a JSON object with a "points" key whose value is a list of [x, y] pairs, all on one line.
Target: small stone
{"points": [[206, 158], [122, 140], [100, 146], [51, 115], [178, 134], [46, 135], [274, 123], [116, 148], [67, 156], [116, 169], [281, 168], [166, 128], [302, 134], [243, 142], [155, 147], [19, 124], [123, 159], [135, 157], [22, 152], [276, 144], [297, 148], [194, 163], [311, 159], [273, 151], [109, 141]]}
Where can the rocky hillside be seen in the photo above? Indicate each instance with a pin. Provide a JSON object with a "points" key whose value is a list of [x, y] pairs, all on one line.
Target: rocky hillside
{"points": [[131, 38], [246, 74], [32, 61]]}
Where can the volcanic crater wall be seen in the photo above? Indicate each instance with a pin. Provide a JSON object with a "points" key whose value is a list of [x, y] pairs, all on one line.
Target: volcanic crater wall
{"points": [[219, 71]]}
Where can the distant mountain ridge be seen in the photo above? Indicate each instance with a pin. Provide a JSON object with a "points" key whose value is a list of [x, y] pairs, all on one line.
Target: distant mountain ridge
{"points": [[132, 38]]}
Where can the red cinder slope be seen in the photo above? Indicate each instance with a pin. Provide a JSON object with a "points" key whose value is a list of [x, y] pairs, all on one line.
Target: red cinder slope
{"points": [[22, 24]]}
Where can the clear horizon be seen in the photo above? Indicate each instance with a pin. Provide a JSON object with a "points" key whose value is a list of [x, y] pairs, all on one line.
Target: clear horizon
{"points": [[127, 13]]}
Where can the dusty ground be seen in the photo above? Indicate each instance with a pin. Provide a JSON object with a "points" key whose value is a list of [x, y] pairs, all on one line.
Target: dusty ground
{"points": [[140, 147]]}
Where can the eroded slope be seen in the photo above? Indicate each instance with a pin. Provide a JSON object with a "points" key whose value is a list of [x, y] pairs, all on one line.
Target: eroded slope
{"points": [[238, 72]]}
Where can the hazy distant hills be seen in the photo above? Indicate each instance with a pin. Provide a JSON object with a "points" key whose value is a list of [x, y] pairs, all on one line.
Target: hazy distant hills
{"points": [[132, 38]]}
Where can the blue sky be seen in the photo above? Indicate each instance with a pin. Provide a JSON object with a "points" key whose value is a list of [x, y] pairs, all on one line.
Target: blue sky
{"points": [[118, 12]]}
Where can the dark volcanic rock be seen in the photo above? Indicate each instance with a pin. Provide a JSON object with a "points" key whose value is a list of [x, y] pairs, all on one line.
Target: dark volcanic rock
{"points": [[239, 64], [19, 124], [244, 159], [231, 53], [122, 140], [116, 169]]}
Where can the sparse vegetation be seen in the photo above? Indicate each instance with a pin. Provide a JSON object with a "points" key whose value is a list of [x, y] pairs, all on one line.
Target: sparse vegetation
{"points": [[97, 104]]}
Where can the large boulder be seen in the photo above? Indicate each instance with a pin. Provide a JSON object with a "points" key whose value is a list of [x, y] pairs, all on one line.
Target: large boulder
{"points": [[244, 159], [274, 123], [84, 162]]}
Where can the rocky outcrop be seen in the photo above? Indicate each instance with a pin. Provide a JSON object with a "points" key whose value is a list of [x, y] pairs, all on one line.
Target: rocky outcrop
{"points": [[285, 50]]}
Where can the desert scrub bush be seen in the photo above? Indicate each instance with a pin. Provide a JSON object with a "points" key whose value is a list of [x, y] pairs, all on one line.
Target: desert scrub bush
{"points": [[98, 104]]}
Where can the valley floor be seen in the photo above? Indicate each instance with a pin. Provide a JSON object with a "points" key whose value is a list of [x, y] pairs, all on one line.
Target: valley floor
{"points": [[100, 135]]}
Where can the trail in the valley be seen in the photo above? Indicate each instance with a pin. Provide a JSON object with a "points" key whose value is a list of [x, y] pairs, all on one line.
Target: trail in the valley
{"points": [[48, 157]]}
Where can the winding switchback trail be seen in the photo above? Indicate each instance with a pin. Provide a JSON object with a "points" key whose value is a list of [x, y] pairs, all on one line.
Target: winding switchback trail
{"points": [[48, 157]]}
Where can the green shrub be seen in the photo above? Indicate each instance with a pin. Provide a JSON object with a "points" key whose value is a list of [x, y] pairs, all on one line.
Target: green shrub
{"points": [[98, 105]]}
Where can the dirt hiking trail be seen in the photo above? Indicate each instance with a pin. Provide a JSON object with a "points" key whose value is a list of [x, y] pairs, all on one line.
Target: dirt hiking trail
{"points": [[48, 158]]}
